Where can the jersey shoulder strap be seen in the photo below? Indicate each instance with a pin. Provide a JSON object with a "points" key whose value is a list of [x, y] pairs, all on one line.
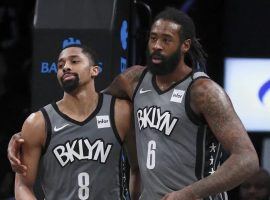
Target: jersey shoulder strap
{"points": [[48, 128], [196, 119], [198, 75]]}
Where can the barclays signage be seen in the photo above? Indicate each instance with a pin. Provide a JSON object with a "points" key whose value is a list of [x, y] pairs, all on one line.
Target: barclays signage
{"points": [[71, 42], [124, 44], [124, 34], [48, 67]]}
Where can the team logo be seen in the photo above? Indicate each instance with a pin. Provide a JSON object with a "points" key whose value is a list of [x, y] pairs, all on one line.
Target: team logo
{"points": [[103, 121], [82, 149], [152, 117]]}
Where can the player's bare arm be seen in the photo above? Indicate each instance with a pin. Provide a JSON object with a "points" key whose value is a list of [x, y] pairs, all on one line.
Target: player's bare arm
{"points": [[33, 133], [124, 84], [125, 126], [210, 100]]}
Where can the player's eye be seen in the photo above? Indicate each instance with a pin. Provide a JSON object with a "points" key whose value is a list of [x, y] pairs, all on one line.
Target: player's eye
{"points": [[153, 38], [60, 65], [75, 61], [167, 40]]}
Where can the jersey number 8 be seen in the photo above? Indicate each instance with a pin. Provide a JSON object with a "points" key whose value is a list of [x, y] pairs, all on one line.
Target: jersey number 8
{"points": [[83, 182]]}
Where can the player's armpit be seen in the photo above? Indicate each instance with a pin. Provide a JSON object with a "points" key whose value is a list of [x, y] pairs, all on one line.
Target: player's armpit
{"points": [[33, 133]]}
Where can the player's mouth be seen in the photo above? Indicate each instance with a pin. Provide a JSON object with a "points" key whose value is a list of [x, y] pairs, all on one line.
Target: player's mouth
{"points": [[68, 76], [157, 59]]}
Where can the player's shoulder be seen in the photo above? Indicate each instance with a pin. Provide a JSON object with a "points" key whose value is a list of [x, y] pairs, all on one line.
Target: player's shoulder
{"points": [[203, 91], [35, 119], [205, 85], [34, 128]]}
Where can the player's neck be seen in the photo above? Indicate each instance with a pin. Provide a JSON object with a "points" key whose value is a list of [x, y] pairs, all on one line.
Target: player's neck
{"points": [[166, 81], [79, 104]]}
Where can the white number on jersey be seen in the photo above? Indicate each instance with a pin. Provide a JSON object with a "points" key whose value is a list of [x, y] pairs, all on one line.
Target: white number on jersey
{"points": [[83, 182], [151, 155]]}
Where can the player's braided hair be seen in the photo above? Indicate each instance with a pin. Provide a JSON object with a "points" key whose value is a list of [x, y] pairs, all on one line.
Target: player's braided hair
{"points": [[196, 54]]}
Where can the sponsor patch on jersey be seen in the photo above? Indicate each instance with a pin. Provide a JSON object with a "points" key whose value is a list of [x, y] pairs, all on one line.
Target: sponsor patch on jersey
{"points": [[103, 121], [177, 96]]}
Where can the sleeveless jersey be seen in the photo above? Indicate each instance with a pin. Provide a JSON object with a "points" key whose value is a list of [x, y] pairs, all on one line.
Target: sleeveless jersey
{"points": [[174, 147], [82, 159]]}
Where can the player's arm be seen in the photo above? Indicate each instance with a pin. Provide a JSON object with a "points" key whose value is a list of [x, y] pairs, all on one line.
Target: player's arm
{"points": [[125, 126], [14, 152], [33, 133], [211, 101], [124, 84]]}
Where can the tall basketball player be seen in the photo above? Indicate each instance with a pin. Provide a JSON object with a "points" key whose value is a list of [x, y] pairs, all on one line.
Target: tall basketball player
{"points": [[183, 119], [75, 144]]}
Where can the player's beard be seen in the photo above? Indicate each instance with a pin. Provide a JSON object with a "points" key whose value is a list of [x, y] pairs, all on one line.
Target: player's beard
{"points": [[167, 65], [70, 85]]}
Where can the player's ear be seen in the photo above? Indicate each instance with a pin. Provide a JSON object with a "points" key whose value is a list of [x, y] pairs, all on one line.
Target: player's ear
{"points": [[94, 70], [186, 45]]}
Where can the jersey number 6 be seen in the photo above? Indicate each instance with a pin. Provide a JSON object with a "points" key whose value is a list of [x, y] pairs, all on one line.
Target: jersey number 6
{"points": [[151, 155]]}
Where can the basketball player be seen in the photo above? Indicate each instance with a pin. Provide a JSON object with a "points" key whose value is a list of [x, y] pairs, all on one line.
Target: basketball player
{"points": [[183, 119], [75, 144]]}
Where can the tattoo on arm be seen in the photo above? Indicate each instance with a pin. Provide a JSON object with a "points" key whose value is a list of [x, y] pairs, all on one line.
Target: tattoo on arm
{"points": [[134, 74], [124, 84], [220, 115], [210, 100]]}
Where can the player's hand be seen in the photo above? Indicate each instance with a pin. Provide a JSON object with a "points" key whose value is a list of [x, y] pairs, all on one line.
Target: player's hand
{"points": [[183, 194], [175, 196], [14, 153]]}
